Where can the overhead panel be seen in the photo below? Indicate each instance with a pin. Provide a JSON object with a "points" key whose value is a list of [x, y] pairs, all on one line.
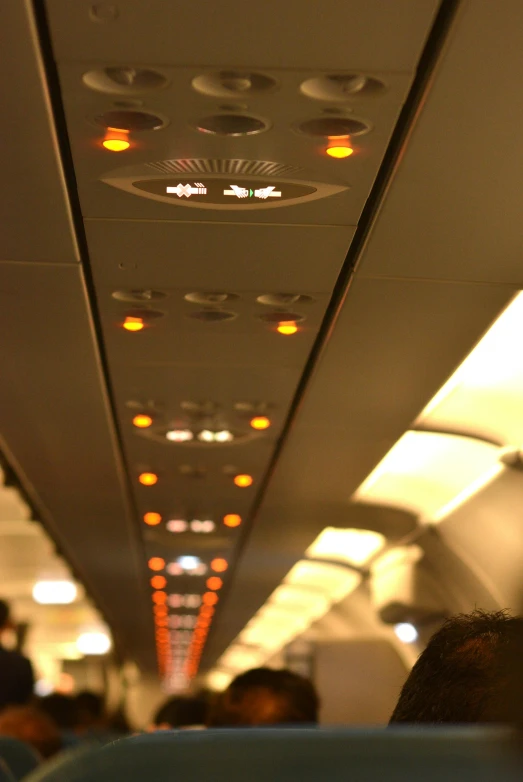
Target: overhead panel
{"points": [[215, 236]]}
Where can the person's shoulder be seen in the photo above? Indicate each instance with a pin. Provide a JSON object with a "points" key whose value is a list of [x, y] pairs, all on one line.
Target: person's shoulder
{"points": [[16, 657]]}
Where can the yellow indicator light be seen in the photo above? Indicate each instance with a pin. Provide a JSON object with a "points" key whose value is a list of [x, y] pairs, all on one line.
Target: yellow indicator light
{"points": [[214, 583], [148, 478], [152, 519], [116, 144], [219, 565], [133, 324], [232, 520], [243, 481], [339, 152], [287, 327], [156, 563], [260, 422], [142, 421]]}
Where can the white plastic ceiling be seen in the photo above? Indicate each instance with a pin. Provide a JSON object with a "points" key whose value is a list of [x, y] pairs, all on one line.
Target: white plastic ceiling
{"points": [[437, 266]]}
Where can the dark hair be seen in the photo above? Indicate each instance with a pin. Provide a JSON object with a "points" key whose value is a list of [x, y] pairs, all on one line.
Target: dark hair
{"points": [[462, 676], [263, 696], [60, 708], [181, 712], [4, 613], [90, 704]]}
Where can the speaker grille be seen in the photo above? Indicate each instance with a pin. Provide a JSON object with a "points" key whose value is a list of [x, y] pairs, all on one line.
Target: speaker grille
{"points": [[247, 167]]}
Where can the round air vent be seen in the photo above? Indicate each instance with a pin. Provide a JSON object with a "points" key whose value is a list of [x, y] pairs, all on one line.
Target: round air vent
{"points": [[130, 120], [232, 125], [138, 296], [339, 88], [210, 297], [212, 316], [233, 84], [199, 408], [334, 127], [284, 299], [124, 80], [279, 316]]}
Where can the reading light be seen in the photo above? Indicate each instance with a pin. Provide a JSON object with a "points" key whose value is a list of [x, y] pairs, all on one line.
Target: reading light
{"points": [[287, 327], [142, 421], [339, 152], [209, 599], [260, 422], [243, 481], [152, 519], [406, 632], [93, 643], [133, 324], [214, 583], [116, 144], [189, 562], [179, 435], [160, 598], [54, 592], [148, 478], [158, 582], [177, 525], [219, 565], [206, 436], [156, 563], [232, 520], [224, 436]]}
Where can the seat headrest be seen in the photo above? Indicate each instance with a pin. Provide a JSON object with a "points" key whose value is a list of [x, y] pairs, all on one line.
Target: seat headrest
{"points": [[19, 757], [273, 755]]}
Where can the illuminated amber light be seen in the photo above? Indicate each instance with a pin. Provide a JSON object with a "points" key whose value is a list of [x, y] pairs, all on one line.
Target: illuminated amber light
{"points": [[152, 519], [219, 565], [210, 599], [339, 152], [148, 478], [260, 422], [243, 481], [206, 611], [161, 621], [214, 583], [156, 563], [158, 582], [232, 520], [160, 610], [142, 421], [160, 598], [133, 324], [287, 327]]}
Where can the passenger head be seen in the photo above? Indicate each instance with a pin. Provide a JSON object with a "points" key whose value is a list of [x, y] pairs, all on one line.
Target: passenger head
{"points": [[90, 710], [462, 676], [61, 709], [32, 726], [264, 696], [5, 616], [181, 713]]}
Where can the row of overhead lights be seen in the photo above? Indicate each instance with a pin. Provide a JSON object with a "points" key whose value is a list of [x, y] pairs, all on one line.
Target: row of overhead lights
{"points": [[153, 519], [133, 324], [151, 479], [187, 564]]}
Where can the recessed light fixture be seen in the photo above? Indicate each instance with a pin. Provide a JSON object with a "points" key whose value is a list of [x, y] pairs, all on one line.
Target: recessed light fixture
{"points": [[156, 563], [158, 582], [243, 481], [339, 151], [219, 565], [406, 632], [214, 583], [206, 436], [177, 525], [54, 592], [179, 435], [232, 520], [133, 324], [142, 421], [152, 519], [93, 643], [148, 478], [224, 436], [202, 526], [260, 422], [287, 327], [116, 144]]}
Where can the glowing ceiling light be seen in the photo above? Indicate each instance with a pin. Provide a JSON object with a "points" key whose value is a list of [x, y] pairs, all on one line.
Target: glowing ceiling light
{"points": [[260, 422], [219, 565], [133, 324], [156, 563], [339, 152], [148, 478], [223, 436], [160, 598], [93, 643], [206, 526], [158, 582], [54, 592], [406, 632], [232, 520], [217, 681], [210, 599], [214, 583], [189, 562], [425, 472], [287, 327], [142, 421], [354, 546], [179, 435], [243, 481], [206, 436], [152, 519], [116, 144], [177, 525]]}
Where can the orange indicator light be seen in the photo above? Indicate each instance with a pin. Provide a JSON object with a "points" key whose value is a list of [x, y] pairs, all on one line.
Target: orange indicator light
{"points": [[133, 324], [287, 327], [214, 582], [243, 481], [219, 565], [148, 478], [152, 519], [142, 421], [156, 563], [339, 153], [260, 422]]}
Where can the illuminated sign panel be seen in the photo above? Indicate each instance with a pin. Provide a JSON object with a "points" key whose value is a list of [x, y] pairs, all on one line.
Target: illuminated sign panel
{"points": [[225, 192]]}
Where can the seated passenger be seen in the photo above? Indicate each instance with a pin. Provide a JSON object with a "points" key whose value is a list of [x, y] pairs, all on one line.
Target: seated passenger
{"points": [[61, 709], [16, 673], [264, 696], [29, 724], [181, 713], [466, 674], [90, 712]]}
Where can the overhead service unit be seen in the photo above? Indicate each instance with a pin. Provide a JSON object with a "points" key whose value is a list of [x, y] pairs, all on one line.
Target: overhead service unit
{"points": [[221, 184]]}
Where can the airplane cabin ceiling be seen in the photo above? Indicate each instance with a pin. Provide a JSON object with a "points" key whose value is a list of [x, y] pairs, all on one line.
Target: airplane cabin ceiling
{"points": [[365, 358]]}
